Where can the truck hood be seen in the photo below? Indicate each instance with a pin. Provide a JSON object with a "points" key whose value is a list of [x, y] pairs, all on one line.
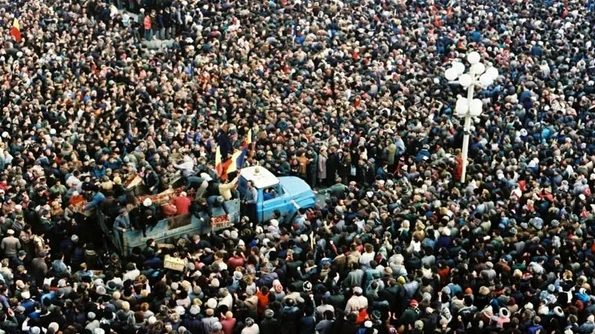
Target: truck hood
{"points": [[298, 190]]}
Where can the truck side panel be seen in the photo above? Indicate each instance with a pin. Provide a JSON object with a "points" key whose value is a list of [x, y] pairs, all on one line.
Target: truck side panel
{"points": [[168, 230]]}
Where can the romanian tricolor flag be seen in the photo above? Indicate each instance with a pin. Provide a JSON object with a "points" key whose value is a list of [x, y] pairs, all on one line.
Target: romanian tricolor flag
{"points": [[237, 160], [15, 30], [449, 6]]}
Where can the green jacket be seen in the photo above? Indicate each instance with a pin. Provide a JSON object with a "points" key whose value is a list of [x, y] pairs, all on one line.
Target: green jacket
{"points": [[338, 190]]}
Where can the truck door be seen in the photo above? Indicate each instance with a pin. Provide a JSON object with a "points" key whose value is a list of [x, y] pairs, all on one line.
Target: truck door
{"points": [[273, 198]]}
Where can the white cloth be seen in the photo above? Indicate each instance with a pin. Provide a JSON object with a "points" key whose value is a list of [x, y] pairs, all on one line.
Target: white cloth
{"points": [[356, 303]]}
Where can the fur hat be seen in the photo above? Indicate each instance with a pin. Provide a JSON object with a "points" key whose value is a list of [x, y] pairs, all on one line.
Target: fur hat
{"points": [[504, 312]]}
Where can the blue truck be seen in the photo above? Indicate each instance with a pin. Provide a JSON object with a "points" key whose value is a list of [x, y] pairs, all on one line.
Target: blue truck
{"points": [[286, 194]]}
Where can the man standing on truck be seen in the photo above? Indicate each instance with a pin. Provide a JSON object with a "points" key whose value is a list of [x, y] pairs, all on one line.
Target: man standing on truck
{"points": [[228, 188], [150, 178], [121, 225], [182, 203], [249, 202]]}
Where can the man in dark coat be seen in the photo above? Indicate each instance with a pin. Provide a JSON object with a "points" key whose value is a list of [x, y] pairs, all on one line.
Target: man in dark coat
{"points": [[269, 325], [39, 268]]}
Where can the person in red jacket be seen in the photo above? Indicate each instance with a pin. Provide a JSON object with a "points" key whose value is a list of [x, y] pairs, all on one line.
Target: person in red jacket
{"points": [[237, 260], [182, 203], [147, 25]]}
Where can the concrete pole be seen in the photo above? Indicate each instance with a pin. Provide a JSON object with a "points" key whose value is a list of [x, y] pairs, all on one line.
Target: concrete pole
{"points": [[467, 128]]}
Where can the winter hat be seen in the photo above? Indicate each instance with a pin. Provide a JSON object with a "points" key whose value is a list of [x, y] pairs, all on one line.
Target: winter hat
{"points": [[307, 287], [419, 325], [101, 290], [212, 303], [180, 310], [194, 310], [278, 288]]}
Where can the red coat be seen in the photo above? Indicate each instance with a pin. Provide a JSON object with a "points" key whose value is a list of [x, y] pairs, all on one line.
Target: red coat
{"points": [[147, 22], [458, 171], [182, 204]]}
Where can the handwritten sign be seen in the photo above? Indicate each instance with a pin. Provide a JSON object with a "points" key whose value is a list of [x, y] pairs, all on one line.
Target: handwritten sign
{"points": [[174, 263], [220, 222], [133, 181]]}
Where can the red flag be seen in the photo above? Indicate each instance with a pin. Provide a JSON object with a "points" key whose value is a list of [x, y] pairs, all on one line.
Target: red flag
{"points": [[224, 167], [15, 30], [220, 165]]}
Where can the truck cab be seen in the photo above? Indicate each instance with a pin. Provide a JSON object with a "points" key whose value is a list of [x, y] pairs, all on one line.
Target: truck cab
{"points": [[287, 194]]}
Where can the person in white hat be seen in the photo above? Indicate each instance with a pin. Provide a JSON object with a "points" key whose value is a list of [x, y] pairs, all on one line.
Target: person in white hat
{"points": [[10, 244], [273, 227], [357, 301], [148, 216], [251, 327]]}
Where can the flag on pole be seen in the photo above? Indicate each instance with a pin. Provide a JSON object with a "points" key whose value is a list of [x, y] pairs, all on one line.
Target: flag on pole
{"points": [[249, 137], [218, 164], [450, 4], [237, 160], [15, 30]]}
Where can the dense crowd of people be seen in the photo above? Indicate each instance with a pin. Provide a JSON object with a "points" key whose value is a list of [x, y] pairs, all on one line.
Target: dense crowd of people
{"points": [[349, 96]]}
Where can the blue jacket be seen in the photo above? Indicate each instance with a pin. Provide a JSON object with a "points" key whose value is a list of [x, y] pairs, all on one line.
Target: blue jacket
{"points": [[99, 172], [98, 198], [534, 329]]}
